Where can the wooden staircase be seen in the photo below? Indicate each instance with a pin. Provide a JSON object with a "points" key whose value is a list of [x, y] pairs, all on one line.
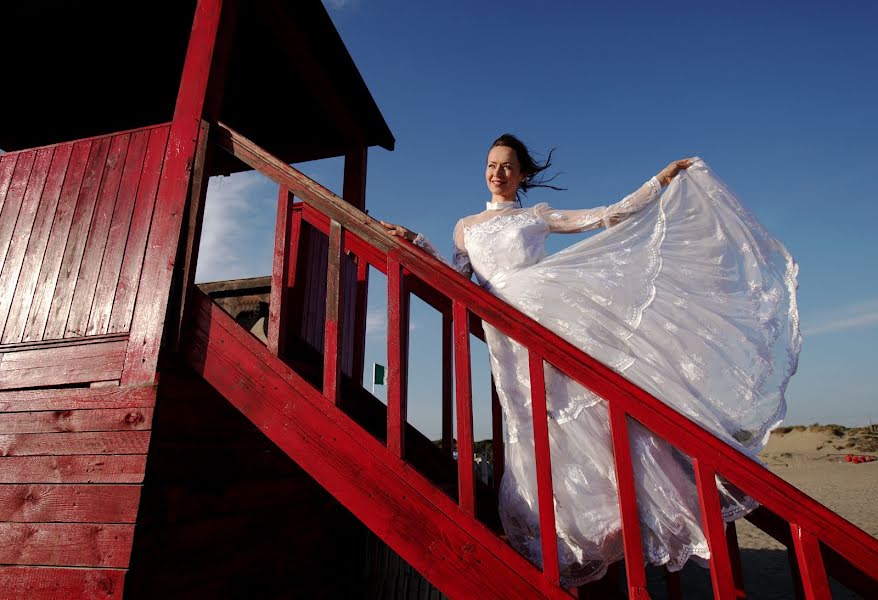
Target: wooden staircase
{"points": [[368, 460]]}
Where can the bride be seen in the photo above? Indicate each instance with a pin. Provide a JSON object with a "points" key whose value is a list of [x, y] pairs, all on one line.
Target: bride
{"points": [[684, 293]]}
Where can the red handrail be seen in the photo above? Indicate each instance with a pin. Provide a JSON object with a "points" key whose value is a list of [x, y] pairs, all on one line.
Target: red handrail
{"points": [[450, 293]]}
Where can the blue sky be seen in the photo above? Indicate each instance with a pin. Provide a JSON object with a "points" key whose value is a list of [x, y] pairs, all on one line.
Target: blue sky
{"points": [[780, 98]]}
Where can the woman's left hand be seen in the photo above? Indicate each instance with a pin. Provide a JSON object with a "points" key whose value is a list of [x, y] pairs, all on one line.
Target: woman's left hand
{"points": [[665, 175]]}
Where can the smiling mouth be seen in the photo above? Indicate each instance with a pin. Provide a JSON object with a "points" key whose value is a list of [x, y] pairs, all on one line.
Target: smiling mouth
{"points": [[498, 182]]}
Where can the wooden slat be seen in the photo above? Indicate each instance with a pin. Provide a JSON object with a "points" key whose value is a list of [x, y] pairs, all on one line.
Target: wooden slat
{"points": [[32, 259], [59, 421], [333, 323], [447, 384], [155, 279], [627, 502], [65, 444], [98, 320], [77, 233], [60, 366], [77, 398], [94, 468], [47, 503], [12, 204], [98, 232], [39, 304], [810, 561], [397, 358], [712, 522], [48, 583], [283, 270], [466, 484], [7, 166], [135, 246], [735, 559], [543, 461], [66, 544]]}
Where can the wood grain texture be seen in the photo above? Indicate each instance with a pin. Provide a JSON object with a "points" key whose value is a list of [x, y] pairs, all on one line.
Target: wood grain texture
{"points": [[50, 266], [48, 583], [77, 398], [45, 367], [135, 245], [93, 253], [65, 284], [98, 318], [12, 203], [95, 468], [29, 260], [65, 444], [43, 503], [61, 421], [66, 544]]}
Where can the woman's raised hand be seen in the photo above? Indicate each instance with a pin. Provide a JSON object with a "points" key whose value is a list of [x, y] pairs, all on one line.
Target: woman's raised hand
{"points": [[665, 175], [399, 231]]}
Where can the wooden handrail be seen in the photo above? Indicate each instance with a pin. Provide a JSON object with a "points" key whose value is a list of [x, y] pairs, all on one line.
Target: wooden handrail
{"points": [[366, 236]]}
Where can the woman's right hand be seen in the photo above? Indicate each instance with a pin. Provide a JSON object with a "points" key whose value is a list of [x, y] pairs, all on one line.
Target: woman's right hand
{"points": [[399, 231], [665, 175]]}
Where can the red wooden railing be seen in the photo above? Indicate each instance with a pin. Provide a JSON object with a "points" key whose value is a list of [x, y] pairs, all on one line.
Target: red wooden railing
{"points": [[813, 529]]}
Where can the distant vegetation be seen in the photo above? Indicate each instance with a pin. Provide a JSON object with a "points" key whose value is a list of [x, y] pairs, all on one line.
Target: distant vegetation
{"points": [[858, 439]]}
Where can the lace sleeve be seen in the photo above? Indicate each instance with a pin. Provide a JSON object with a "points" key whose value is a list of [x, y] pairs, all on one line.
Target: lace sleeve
{"points": [[459, 262], [575, 221]]}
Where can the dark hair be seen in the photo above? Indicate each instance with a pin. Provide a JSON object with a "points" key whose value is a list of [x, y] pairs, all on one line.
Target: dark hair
{"points": [[531, 170]]}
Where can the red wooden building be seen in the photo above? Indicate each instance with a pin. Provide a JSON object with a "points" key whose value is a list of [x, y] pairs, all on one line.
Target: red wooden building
{"points": [[151, 447]]}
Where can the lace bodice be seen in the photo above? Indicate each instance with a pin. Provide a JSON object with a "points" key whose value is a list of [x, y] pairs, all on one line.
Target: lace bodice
{"points": [[505, 237]]}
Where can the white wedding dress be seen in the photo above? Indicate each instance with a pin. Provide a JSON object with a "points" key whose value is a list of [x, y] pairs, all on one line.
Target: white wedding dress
{"points": [[686, 295]]}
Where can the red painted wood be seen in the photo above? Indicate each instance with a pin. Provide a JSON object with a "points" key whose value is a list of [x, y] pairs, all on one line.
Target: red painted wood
{"points": [[332, 340], [627, 501], [45, 503], [22, 231], [63, 444], [354, 192], [447, 383], [37, 312], [77, 234], [66, 544], [851, 543], [712, 522], [735, 559], [60, 366], [543, 461], [155, 280], [111, 263], [47, 583], [7, 166], [95, 468], [283, 270], [466, 484], [397, 358], [30, 260], [59, 421], [12, 203], [93, 253], [498, 451], [402, 507], [81, 398], [810, 560], [135, 245]]}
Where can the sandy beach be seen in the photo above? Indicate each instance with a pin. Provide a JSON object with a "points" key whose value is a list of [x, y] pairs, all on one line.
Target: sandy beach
{"points": [[812, 458]]}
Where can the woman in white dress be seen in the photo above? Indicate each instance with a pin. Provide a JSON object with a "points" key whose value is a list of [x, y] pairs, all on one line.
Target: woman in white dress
{"points": [[684, 293]]}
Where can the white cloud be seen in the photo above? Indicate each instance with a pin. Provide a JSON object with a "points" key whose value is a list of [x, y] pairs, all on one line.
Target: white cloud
{"points": [[852, 316], [340, 4], [376, 322]]}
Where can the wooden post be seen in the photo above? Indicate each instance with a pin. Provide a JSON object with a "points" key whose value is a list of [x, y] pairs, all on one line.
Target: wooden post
{"points": [[814, 581], [288, 223], [711, 519], [447, 384], [397, 357], [466, 485], [332, 339]]}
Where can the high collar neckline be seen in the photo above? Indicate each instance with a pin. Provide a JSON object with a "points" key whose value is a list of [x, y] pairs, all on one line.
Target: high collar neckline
{"points": [[501, 205]]}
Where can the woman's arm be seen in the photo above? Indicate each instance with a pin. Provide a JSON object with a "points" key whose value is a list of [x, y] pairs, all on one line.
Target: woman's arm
{"points": [[459, 262]]}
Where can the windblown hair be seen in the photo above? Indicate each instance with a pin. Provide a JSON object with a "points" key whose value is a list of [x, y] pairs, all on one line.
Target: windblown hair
{"points": [[532, 170]]}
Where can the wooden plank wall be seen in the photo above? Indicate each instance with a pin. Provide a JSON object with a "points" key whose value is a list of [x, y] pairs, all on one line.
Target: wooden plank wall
{"points": [[73, 224], [226, 514], [71, 466]]}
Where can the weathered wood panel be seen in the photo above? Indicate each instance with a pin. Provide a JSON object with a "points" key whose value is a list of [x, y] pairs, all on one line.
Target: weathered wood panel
{"points": [[49, 366], [64, 444], [87, 468], [74, 399], [44, 503], [61, 421], [66, 544], [48, 583]]}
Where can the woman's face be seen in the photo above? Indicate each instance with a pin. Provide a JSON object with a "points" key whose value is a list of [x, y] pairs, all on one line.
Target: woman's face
{"points": [[503, 173]]}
